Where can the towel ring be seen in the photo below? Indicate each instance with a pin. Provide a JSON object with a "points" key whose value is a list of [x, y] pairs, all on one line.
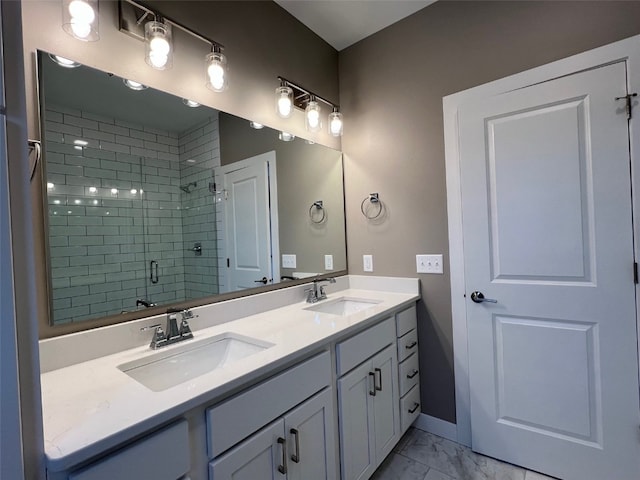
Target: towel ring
{"points": [[318, 205], [374, 198]]}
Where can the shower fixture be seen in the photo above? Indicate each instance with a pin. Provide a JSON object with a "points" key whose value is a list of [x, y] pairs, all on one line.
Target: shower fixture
{"points": [[187, 188]]}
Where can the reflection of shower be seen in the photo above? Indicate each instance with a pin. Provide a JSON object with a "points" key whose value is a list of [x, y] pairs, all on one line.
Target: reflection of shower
{"points": [[187, 188]]}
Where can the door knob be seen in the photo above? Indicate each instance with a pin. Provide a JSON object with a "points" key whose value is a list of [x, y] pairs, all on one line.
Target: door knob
{"points": [[478, 297], [262, 280]]}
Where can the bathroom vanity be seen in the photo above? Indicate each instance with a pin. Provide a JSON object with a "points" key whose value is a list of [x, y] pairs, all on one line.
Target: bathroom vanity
{"points": [[270, 387]]}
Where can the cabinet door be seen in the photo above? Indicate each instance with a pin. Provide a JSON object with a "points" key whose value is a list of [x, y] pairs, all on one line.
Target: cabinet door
{"points": [[385, 403], [311, 439], [257, 458], [355, 399]]}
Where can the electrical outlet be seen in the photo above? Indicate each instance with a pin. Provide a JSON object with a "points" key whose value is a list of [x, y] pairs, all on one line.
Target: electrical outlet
{"points": [[288, 261], [429, 264], [328, 262], [367, 263]]}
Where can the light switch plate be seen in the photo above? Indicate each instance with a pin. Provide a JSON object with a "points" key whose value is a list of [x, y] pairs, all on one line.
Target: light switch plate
{"points": [[328, 262], [288, 261], [367, 263], [429, 263]]}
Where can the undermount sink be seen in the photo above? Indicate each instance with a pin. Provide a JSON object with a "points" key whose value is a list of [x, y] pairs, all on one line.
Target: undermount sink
{"points": [[343, 306], [169, 368]]}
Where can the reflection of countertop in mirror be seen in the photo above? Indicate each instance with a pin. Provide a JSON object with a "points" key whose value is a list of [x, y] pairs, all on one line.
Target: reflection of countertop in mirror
{"points": [[91, 406]]}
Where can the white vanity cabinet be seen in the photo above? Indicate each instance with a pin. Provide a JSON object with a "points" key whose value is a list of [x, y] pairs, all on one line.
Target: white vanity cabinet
{"points": [[299, 441], [368, 399], [408, 366]]}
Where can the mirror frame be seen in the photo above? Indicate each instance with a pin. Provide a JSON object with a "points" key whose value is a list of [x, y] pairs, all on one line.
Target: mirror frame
{"points": [[48, 330]]}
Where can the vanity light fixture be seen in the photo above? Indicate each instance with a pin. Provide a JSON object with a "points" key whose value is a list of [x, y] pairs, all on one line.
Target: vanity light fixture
{"points": [[64, 62], [256, 125], [286, 137], [159, 47], [133, 85], [216, 65], [80, 19], [190, 103], [290, 95]]}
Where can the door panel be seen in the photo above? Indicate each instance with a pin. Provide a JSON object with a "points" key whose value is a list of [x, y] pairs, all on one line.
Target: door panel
{"points": [[547, 227], [385, 403]]}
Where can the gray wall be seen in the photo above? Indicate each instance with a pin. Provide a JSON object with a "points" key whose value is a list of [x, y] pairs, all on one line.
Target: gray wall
{"points": [[391, 89], [261, 42]]}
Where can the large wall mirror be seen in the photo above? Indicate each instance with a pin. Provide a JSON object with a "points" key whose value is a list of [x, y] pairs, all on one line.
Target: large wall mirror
{"points": [[153, 201]]}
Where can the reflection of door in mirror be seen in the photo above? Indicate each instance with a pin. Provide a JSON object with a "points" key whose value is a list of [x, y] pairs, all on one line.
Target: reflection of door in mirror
{"points": [[248, 234]]}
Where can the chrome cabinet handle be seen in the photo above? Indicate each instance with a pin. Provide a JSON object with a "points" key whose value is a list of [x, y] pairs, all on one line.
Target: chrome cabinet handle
{"points": [[295, 457], [373, 392], [379, 388], [416, 405], [283, 468], [412, 374], [478, 297], [411, 345]]}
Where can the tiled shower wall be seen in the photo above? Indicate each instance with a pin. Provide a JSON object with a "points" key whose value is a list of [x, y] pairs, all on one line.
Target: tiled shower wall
{"points": [[115, 204]]}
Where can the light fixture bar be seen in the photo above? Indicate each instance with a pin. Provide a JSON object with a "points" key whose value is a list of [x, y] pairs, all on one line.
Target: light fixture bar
{"points": [[132, 22], [302, 96]]}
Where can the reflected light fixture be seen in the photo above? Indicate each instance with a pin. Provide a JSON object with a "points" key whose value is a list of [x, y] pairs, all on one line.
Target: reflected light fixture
{"points": [[190, 103], [159, 48], [256, 125], [216, 65], [63, 62], [286, 137], [312, 113], [80, 19], [335, 123], [284, 101], [133, 85]]}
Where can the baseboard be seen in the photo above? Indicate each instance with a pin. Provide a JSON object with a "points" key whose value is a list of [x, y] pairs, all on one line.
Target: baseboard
{"points": [[438, 427]]}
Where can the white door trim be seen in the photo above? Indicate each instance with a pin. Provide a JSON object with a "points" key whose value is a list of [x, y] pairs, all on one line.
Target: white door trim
{"points": [[627, 50]]}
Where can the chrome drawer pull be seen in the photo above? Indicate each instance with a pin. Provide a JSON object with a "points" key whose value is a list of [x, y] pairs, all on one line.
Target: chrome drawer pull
{"points": [[415, 407], [412, 374], [411, 345]]}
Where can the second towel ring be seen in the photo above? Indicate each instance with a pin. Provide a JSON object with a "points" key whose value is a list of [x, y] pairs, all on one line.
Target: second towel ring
{"points": [[318, 205], [374, 198]]}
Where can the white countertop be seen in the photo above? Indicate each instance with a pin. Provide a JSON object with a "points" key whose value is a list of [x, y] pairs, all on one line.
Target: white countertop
{"points": [[93, 406]]}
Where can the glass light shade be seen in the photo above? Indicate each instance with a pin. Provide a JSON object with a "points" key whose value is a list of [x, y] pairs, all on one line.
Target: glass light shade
{"points": [[80, 19], [312, 113], [216, 65], [256, 125], [63, 62], [133, 85], [159, 50], [190, 103], [284, 101], [286, 137], [335, 124]]}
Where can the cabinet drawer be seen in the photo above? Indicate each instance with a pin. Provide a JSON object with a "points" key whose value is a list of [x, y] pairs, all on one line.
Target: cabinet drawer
{"points": [[162, 456], [409, 408], [407, 345], [355, 350], [237, 418], [409, 370], [406, 320]]}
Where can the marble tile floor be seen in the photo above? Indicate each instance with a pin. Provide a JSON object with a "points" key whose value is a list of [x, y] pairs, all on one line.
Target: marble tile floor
{"points": [[422, 456]]}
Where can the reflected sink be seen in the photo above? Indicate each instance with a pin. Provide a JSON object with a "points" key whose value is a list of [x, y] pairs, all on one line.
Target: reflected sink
{"points": [[169, 368], [343, 306]]}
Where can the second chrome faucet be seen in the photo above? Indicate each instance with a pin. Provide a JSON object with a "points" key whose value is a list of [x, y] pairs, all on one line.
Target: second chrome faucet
{"points": [[173, 333]]}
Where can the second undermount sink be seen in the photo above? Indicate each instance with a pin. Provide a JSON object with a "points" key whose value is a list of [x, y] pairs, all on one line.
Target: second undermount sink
{"points": [[168, 368], [343, 306]]}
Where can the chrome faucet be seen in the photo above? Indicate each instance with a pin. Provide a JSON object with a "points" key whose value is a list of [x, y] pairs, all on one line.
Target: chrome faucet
{"points": [[145, 303], [316, 292], [173, 333]]}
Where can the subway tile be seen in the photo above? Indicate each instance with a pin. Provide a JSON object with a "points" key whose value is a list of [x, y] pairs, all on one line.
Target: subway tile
{"points": [[132, 266], [118, 258], [111, 165], [78, 121], [170, 156], [69, 272], [143, 152], [70, 313], [51, 136], [123, 293], [59, 262], [167, 140], [119, 276], [57, 220], [86, 240], [87, 279], [52, 116], [156, 131], [61, 303], [88, 220], [151, 137], [118, 239], [88, 299], [118, 221], [100, 154], [63, 128], [106, 308], [81, 161], [64, 169], [101, 119], [58, 241], [58, 283], [102, 250], [122, 132], [127, 124], [100, 173], [129, 141], [93, 134], [87, 260], [114, 147], [102, 230], [70, 292], [63, 109]]}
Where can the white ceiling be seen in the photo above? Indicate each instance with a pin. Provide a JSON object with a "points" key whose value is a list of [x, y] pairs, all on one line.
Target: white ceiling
{"points": [[344, 22]]}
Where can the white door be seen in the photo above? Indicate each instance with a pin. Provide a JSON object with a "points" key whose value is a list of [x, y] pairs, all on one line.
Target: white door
{"points": [[547, 222], [248, 229], [311, 439]]}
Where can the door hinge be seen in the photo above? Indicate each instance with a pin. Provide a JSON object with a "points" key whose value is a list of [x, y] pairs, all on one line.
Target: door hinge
{"points": [[627, 99], [635, 272]]}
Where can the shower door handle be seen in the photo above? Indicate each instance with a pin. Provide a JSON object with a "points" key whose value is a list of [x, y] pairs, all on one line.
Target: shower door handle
{"points": [[153, 266]]}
